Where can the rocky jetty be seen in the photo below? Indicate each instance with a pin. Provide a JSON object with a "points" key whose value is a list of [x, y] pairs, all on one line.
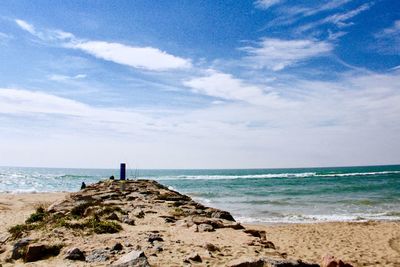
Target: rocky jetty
{"points": [[137, 223]]}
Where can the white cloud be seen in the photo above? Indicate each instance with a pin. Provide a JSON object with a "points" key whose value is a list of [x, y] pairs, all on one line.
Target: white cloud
{"points": [[4, 37], [388, 39], [138, 57], [16, 101], [291, 14], [58, 77], [276, 54], [351, 121], [225, 86], [333, 4], [45, 35], [393, 30], [265, 4], [339, 19], [26, 26], [35, 104], [148, 58]]}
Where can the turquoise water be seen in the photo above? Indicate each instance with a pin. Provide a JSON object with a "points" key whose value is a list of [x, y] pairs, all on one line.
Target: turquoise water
{"points": [[251, 195]]}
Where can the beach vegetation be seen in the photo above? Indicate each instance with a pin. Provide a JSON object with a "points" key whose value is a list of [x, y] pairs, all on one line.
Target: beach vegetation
{"points": [[37, 216], [19, 230], [102, 227], [110, 209], [79, 210], [92, 225], [165, 196], [178, 212]]}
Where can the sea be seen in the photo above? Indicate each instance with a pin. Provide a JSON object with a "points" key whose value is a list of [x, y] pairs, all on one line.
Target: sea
{"points": [[262, 196]]}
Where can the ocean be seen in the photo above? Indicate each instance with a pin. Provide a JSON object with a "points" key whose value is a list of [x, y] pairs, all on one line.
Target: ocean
{"points": [[265, 196]]}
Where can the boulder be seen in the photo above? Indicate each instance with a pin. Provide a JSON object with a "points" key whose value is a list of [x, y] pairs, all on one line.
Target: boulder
{"points": [[211, 247], [117, 247], [247, 262], [194, 228], [256, 233], [135, 258], [154, 237], [113, 216], [75, 254], [34, 253], [264, 262], [98, 255], [19, 248], [330, 261], [140, 214], [268, 244], [221, 214], [126, 219], [288, 263], [205, 227], [193, 257], [37, 252]]}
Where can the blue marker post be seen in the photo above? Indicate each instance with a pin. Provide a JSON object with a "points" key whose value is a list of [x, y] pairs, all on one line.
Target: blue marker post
{"points": [[123, 171]]}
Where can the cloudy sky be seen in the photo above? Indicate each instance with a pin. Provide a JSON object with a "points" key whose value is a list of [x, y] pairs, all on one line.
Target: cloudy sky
{"points": [[199, 84]]}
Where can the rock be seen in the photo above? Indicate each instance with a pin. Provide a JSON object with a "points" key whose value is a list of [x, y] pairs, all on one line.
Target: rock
{"points": [[75, 254], [140, 214], [205, 227], [329, 261], [288, 263], [193, 257], [34, 253], [135, 258], [194, 228], [221, 214], [256, 233], [37, 252], [117, 247], [158, 248], [168, 219], [247, 262], [263, 262], [126, 219], [211, 247], [154, 237], [268, 244], [113, 216], [98, 255], [235, 226], [19, 248]]}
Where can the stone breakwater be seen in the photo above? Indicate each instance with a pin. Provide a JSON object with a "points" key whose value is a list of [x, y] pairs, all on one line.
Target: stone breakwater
{"points": [[137, 223]]}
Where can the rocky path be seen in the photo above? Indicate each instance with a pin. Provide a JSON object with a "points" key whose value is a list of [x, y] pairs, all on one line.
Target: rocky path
{"points": [[136, 223]]}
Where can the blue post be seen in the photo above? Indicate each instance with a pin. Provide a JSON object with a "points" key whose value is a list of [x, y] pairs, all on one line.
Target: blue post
{"points": [[123, 171]]}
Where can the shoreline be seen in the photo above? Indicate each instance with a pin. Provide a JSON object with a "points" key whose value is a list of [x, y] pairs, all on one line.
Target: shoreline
{"points": [[370, 243]]}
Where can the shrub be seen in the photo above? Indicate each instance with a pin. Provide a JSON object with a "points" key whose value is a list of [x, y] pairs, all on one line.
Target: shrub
{"points": [[80, 209], [38, 216]]}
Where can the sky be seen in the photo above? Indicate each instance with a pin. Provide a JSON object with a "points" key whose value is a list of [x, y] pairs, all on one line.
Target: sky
{"points": [[199, 84]]}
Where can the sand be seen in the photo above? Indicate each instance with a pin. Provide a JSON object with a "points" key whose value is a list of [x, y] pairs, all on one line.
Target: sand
{"points": [[361, 244]]}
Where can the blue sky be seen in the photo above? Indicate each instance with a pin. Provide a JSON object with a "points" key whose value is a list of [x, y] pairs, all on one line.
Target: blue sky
{"points": [[199, 84]]}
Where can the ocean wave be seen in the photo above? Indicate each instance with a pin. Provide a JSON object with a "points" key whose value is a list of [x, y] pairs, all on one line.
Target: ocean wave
{"points": [[357, 174], [230, 177], [315, 218], [271, 175]]}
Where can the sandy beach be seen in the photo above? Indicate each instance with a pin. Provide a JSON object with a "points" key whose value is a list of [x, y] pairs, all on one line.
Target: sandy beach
{"points": [[360, 244]]}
